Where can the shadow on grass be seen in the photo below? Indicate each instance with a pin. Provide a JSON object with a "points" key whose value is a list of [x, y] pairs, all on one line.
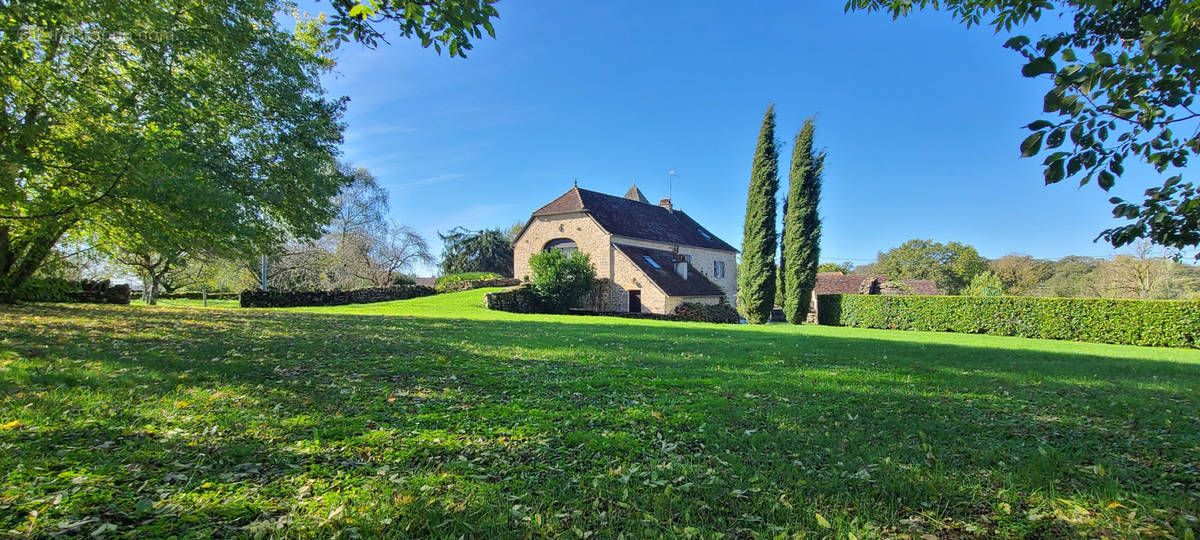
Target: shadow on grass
{"points": [[465, 426]]}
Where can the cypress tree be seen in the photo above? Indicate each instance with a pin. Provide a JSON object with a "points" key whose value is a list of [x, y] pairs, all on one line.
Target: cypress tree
{"points": [[756, 274], [801, 227], [780, 287]]}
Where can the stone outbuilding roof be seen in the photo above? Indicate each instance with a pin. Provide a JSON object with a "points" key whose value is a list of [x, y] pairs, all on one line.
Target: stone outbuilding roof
{"points": [[659, 266], [636, 218], [839, 283]]}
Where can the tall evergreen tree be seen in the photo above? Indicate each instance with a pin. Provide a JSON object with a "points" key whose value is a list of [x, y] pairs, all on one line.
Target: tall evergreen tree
{"points": [[800, 243], [756, 276]]}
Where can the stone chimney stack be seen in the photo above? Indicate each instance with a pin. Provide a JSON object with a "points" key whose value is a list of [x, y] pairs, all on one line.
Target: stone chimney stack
{"points": [[681, 265], [665, 203]]}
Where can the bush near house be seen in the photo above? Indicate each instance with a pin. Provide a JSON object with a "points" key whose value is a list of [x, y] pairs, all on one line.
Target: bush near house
{"points": [[272, 298], [561, 281], [1159, 323]]}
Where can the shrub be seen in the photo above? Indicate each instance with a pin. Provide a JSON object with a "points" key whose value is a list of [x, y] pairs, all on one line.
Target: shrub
{"points": [[719, 313], [274, 298], [521, 299], [1158, 323], [560, 280], [465, 276]]}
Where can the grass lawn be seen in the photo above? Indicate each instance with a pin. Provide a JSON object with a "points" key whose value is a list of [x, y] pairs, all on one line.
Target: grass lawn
{"points": [[435, 417], [188, 302]]}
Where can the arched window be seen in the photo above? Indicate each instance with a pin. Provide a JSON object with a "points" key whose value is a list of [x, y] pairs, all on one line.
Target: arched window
{"points": [[566, 246]]}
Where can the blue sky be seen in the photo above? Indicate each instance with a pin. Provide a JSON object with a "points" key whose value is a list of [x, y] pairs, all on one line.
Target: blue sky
{"points": [[921, 119]]}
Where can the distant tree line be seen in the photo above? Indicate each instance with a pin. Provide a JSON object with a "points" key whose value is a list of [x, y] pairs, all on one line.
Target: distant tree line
{"points": [[1147, 272]]}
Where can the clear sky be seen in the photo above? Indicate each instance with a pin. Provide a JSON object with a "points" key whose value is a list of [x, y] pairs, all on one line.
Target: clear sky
{"points": [[921, 119]]}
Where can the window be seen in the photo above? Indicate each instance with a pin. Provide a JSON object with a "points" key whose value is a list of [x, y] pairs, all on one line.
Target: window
{"points": [[705, 234], [718, 269], [651, 262], [566, 246]]}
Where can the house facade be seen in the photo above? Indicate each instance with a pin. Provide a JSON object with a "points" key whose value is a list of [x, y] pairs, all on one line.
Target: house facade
{"points": [[649, 257]]}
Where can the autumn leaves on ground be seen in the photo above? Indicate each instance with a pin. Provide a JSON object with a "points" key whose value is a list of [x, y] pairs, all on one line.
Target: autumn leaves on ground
{"points": [[436, 417]]}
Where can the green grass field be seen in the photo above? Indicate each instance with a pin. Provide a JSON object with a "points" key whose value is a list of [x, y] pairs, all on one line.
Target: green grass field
{"points": [[435, 417]]}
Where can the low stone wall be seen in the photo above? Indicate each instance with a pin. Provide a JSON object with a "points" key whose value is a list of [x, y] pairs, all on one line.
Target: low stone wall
{"points": [[100, 292], [516, 300], [270, 298]]}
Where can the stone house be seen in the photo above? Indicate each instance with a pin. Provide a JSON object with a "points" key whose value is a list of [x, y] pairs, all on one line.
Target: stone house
{"points": [[649, 257]]}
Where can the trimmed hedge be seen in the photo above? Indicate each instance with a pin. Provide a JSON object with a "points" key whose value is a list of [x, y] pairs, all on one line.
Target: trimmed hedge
{"points": [[1157, 323], [521, 299], [271, 298], [720, 313]]}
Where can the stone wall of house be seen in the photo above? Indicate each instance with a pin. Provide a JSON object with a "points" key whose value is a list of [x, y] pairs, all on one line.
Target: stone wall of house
{"points": [[628, 277], [702, 260], [578, 226]]}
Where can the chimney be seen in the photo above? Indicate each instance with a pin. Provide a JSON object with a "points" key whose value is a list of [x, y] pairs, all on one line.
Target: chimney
{"points": [[665, 203], [681, 265]]}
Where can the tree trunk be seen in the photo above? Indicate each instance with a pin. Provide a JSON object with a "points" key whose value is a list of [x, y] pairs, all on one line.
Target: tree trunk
{"points": [[20, 259], [152, 294]]}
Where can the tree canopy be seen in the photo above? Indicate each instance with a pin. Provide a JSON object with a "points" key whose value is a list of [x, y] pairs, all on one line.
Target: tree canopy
{"points": [[197, 123], [951, 265], [1123, 83], [163, 126], [489, 250]]}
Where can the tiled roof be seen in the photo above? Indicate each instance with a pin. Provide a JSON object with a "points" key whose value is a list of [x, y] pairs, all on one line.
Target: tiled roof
{"points": [[839, 283], [426, 281], [922, 286], [635, 219], [662, 272]]}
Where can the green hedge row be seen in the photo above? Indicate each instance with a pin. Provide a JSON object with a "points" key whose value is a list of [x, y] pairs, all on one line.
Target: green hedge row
{"points": [[1158, 323]]}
